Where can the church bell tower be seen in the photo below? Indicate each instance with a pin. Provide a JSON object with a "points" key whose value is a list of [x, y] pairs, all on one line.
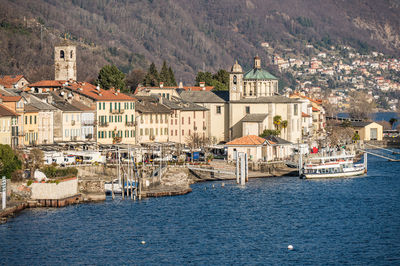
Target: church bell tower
{"points": [[65, 61], [235, 82]]}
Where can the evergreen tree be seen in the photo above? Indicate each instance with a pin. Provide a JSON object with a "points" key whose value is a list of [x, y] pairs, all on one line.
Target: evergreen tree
{"points": [[111, 77], [172, 81], [152, 77], [164, 74]]}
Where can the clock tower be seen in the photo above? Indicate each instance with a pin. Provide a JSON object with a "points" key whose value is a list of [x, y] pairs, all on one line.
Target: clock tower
{"points": [[235, 82]]}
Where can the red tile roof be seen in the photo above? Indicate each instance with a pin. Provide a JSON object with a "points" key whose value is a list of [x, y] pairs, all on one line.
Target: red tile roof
{"points": [[10, 98], [197, 88], [308, 98], [9, 81], [305, 115], [48, 83], [91, 91], [4, 111], [247, 140]]}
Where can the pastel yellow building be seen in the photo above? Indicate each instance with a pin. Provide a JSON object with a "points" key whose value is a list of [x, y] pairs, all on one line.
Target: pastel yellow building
{"points": [[8, 126]]}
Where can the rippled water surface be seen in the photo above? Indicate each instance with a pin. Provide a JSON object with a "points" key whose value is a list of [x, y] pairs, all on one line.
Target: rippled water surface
{"points": [[339, 221]]}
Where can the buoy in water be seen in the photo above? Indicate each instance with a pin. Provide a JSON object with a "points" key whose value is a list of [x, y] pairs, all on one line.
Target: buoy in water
{"points": [[223, 184], [143, 242], [212, 185], [290, 247]]}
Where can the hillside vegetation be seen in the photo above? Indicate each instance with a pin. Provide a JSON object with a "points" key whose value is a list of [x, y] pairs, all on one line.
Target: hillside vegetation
{"points": [[191, 36]]}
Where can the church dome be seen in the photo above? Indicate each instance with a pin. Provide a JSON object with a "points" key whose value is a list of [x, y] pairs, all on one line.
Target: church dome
{"points": [[236, 68]]}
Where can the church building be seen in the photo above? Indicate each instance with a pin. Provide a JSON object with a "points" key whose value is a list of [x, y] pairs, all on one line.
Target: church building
{"points": [[254, 102]]}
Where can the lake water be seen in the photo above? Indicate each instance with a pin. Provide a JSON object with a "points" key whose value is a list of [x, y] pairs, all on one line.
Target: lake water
{"points": [[329, 222]]}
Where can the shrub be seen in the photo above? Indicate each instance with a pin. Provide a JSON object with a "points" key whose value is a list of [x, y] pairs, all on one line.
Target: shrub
{"points": [[53, 172]]}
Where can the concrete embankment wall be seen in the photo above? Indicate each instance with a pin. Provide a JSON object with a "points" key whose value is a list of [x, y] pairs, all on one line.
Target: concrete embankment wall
{"points": [[64, 189]]}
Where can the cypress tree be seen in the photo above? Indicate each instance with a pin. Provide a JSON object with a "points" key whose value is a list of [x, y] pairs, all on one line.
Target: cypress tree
{"points": [[172, 81]]}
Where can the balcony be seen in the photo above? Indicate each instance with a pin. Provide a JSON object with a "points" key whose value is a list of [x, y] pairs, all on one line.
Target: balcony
{"points": [[87, 123], [130, 124], [103, 124], [117, 111]]}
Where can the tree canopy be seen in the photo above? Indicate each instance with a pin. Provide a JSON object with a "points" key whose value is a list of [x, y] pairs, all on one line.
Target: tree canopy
{"points": [[111, 77], [166, 75], [219, 80], [9, 161]]}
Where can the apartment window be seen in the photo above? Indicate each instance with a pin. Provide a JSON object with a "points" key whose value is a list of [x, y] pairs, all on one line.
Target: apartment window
{"points": [[66, 132], [104, 106], [126, 118], [189, 132], [172, 122], [115, 106], [166, 131], [146, 131], [141, 132], [204, 114], [172, 132], [110, 107], [176, 132], [189, 120], [183, 120], [247, 109], [99, 106], [296, 107], [30, 119], [218, 109], [183, 132], [176, 121], [26, 120]]}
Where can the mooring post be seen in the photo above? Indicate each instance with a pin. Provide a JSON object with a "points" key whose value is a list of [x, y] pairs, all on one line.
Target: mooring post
{"points": [[246, 166], [300, 164], [237, 166], [366, 161], [4, 194], [242, 170]]}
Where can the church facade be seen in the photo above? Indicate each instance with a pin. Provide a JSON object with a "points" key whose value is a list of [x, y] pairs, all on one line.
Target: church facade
{"points": [[254, 102]]}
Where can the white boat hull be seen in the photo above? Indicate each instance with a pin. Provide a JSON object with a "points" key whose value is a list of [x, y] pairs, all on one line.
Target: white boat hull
{"points": [[357, 172]]}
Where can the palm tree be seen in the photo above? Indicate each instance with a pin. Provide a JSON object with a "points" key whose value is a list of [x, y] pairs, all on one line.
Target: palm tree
{"points": [[284, 125], [277, 121]]}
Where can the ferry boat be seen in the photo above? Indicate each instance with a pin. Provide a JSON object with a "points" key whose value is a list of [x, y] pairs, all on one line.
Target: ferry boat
{"points": [[332, 166]]}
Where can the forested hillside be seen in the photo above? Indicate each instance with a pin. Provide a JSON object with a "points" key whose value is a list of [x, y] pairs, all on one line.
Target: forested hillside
{"points": [[189, 35]]}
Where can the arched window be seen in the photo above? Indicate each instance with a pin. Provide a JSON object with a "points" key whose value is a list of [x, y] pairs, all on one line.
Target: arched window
{"points": [[71, 54], [61, 54]]}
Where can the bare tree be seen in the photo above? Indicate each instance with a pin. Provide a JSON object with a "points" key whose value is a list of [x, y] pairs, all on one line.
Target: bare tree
{"points": [[134, 78], [361, 106], [35, 160]]}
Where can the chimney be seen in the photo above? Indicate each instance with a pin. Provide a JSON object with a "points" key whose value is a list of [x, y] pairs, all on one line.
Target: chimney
{"points": [[180, 85], [202, 84], [49, 99], [161, 84], [161, 99], [98, 87], [118, 90]]}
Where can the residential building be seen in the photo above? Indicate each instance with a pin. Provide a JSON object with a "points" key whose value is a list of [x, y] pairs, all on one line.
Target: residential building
{"points": [[13, 81], [152, 119], [217, 116], [187, 120], [8, 126], [31, 125], [16, 104], [45, 118]]}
